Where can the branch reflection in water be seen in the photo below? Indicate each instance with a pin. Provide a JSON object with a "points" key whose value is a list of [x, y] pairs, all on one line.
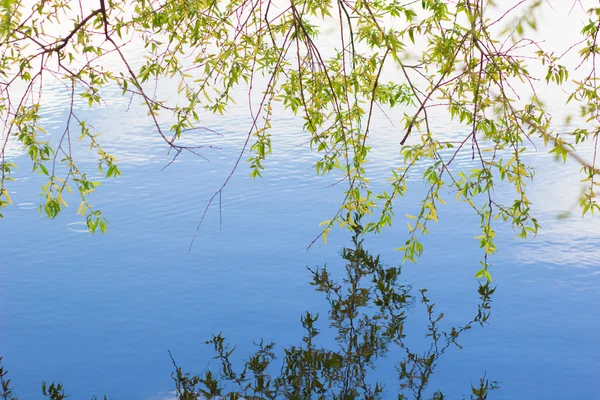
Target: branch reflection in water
{"points": [[367, 311]]}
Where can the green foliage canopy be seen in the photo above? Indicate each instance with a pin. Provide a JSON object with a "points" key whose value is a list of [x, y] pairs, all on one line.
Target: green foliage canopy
{"points": [[464, 56]]}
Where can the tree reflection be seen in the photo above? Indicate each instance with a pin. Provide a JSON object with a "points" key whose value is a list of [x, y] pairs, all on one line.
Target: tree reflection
{"points": [[367, 311]]}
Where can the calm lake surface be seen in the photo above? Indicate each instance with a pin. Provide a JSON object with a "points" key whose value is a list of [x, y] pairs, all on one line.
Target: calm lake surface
{"points": [[100, 313]]}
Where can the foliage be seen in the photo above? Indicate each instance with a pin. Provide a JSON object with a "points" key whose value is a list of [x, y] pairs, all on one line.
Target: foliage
{"points": [[464, 56], [6, 391], [54, 391]]}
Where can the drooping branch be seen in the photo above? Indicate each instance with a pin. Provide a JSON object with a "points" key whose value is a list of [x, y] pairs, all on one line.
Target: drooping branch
{"points": [[62, 43]]}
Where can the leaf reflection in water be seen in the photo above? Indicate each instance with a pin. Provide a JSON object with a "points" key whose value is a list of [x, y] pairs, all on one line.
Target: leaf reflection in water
{"points": [[367, 311]]}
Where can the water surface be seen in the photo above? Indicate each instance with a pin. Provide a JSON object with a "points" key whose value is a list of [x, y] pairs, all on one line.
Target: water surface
{"points": [[99, 313]]}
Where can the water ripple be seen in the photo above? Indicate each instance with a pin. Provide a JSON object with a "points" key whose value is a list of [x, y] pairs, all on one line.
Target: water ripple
{"points": [[79, 227]]}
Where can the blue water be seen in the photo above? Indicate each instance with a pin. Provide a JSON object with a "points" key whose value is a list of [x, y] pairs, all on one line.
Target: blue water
{"points": [[99, 313]]}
